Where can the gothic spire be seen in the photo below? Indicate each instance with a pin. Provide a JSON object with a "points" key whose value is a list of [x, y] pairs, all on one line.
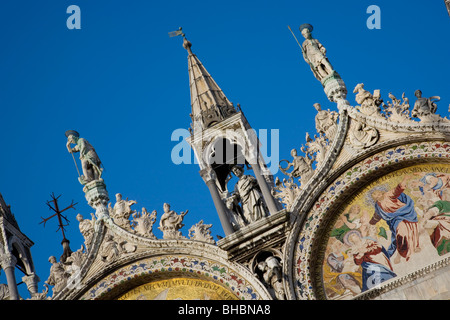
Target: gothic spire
{"points": [[209, 103]]}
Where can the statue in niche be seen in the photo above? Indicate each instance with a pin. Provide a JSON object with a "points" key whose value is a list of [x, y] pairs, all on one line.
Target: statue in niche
{"points": [[425, 108], [369, 103], [272, 275], [171, 223], [90, 162], [58, 275], [143, 223], [86, 228], [248, 194], [326, 121], [314, 54], [122, 211], [302, 167]]}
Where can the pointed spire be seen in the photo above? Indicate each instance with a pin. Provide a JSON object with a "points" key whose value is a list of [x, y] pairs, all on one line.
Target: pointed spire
{"points": [[209, 103]]}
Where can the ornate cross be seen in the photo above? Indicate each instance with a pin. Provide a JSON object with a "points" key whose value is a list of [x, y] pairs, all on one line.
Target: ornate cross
{"points": [[58, 213]]}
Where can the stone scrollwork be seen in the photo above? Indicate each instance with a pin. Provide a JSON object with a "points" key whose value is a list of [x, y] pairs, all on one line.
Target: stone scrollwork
{"points": [[396, 110], [286, 191], [143, 222], [201, 232], [41, 296]]}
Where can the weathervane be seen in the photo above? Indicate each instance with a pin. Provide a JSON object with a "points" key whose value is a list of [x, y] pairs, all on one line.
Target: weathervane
{"points": [[178, 32], [61, 224]]}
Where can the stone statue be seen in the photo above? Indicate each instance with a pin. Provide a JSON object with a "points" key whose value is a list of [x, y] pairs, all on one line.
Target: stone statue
{"points": [[58, 275], [143, 223], [326, 121], [317, 148], [4, 291], [302, 167], [248, 194], [425, 108], [171, 223], [90, 161], [110, 249], [369, 103], [86, 228], [314, 54], [121, 212], [201, 232], [272, 275], [362, 136]]}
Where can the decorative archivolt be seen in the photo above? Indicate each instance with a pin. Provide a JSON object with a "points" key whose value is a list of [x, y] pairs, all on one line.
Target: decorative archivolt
{"points": [[302, 252], [126, 230]]}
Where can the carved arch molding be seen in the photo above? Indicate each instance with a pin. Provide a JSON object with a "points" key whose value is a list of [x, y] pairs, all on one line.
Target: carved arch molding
{"points": [[321, 260], [177, 276]]}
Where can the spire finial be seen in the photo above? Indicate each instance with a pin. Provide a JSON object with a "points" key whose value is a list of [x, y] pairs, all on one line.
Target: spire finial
{"points": [[186, 43]]}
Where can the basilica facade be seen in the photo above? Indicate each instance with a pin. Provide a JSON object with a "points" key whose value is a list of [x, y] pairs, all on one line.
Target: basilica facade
{"points": [[363, 210]]}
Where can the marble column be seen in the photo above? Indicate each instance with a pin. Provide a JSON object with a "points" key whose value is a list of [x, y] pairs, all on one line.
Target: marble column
{"points": [[209, 178], [32, 283], [8, 263], [270, 201]]}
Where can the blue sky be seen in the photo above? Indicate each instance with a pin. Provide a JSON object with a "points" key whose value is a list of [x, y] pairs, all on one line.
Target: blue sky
{"points": [[122, 83]]}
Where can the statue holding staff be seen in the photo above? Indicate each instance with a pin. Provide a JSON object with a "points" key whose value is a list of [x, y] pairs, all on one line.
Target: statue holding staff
{"points": [[90, 162]]}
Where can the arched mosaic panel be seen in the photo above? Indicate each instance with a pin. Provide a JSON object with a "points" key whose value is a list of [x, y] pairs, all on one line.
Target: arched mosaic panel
{"points": [[365, 230], [210, 274]]}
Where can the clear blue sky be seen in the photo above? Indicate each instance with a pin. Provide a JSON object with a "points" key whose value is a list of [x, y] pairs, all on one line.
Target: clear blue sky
{"points": [[122, 83]]}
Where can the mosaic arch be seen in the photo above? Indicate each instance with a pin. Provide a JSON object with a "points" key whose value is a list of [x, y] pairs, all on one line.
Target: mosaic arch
{"points": [[395, 225], [170, 277]]}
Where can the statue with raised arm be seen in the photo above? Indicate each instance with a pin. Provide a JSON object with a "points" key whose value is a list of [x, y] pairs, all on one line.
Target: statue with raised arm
{"points": [[171, 223], [302, 167], [90, 162], [425, 108], [314, 54]]}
